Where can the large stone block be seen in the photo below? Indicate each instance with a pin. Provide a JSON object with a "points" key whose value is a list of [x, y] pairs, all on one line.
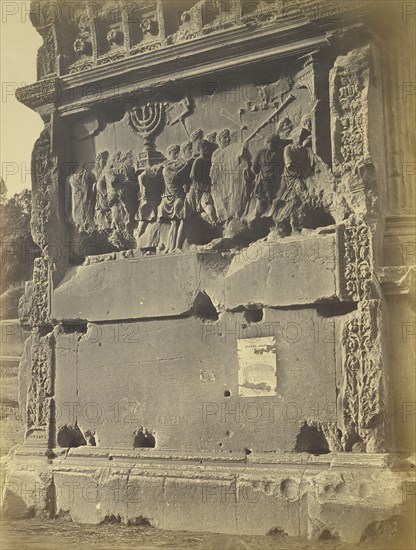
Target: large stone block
{"points": [[186, 381]]}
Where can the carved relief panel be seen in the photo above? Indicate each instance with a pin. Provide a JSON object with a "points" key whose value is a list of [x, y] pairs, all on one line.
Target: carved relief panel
{"points": [[189, 168]]}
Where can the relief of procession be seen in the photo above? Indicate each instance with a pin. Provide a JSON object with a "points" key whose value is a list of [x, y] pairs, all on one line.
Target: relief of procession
{"points": [[209, 190]]}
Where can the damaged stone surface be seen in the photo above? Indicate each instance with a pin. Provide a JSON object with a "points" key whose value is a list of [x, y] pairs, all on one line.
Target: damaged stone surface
{"points": [[271, 273], [299, 494], [215, 317]]}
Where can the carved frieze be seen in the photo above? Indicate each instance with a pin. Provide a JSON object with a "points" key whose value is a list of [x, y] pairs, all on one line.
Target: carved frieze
{"points": [[40, 391], [43, 92], [232, 183], [355, 260], [98, 33], [43, 172], [349, 84], [34, 304], [362, 403]]}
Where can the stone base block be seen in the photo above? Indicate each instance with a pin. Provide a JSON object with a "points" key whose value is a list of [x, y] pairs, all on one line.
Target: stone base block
{"points": [[349, 496]]}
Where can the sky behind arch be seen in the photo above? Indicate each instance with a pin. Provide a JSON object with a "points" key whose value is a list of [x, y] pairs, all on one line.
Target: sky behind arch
{"points": [[19, 126]]}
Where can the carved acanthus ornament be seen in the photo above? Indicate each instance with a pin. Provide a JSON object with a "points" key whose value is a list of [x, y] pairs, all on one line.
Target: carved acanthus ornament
{"points": [[362, 390], [40, 392], [355, 259], [43, 171]]}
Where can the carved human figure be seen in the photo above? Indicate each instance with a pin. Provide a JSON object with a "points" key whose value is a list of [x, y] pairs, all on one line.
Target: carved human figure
{"points": [[187, 156], [173, 204], [223, 140], [196, 138], [293, 198], [186, 150], [102, 215], [229, 177], [199, 197], [151, 187], [120, 192], [80, 199], [268, 168]]}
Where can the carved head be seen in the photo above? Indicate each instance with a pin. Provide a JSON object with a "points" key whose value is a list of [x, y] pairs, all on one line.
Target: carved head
{"points": [[173, 152], [185, 17], [306, 123], [205, 148], [101, 160], [224, 137], [114, 36], [271, 141], [147, 25], [211, 137], [285, 127], [196, 138], [187, 149], [80, 46]]}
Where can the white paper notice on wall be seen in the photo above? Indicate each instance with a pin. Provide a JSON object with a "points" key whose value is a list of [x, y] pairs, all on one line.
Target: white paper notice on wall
{"points": [[257, 364]]}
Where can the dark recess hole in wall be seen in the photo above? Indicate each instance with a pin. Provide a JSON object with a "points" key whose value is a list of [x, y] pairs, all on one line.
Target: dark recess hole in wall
{"points": [[75, 328], [227, 393], [327, 535], [90, 437], [204, 308], [253, 315], [335, 309], [143, 438], [311, 440], [70, 436]]}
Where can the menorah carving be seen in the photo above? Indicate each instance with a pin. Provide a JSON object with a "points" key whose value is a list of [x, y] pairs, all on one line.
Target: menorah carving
{"points": [[146, 121]]}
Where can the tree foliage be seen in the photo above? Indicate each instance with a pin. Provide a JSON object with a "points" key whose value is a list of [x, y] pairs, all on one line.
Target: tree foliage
{"points": [[18, 248]]}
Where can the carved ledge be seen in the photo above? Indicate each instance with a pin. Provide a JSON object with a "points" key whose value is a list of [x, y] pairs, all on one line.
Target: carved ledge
{"points": [[398, 280], [44, 92]]}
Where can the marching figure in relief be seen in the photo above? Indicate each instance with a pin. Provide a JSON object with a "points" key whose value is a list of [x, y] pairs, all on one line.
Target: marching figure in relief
{"points": [[151, 186], [293, 198], [199, 197], [173, 205], [229, 177], [121, 196], [268, 168]]}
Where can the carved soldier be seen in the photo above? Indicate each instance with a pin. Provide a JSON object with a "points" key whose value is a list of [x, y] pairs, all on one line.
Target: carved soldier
{"points": [[293, 197], [185, 172], [173, 205], [121, 195], [199, 197], [151, 186], [268, 168], [196, 138]]}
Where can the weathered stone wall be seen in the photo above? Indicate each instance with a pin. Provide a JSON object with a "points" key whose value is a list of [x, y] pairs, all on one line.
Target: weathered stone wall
{"points": [[215, 298]]}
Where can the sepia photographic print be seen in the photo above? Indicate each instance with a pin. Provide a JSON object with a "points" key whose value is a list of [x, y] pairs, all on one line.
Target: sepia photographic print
{"points": [[208, 247]]}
